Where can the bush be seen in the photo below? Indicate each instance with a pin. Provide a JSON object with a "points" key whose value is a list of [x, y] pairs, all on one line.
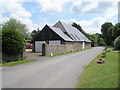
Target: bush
{"points": [[12, 42], [117, 43]]}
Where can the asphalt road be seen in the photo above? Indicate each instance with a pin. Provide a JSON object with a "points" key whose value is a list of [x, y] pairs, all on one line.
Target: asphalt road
{"points": [[49, 72]]}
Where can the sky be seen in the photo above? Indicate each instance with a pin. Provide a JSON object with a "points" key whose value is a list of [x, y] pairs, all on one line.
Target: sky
{"points": [[89, 14]]}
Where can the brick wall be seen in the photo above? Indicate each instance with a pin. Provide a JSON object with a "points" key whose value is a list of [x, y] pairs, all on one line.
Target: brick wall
{"points": [[47, 49]]}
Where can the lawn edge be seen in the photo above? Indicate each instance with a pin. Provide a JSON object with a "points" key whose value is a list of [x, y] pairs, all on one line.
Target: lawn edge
{"points": [[14, 63]]}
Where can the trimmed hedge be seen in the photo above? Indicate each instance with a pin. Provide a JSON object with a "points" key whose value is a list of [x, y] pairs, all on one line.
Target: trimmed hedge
{"points": [[12, 42]]}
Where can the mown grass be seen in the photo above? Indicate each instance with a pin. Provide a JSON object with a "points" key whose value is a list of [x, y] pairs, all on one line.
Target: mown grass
{"points": [[13, 63], [67, 52], [101, 75], [109, 49]]}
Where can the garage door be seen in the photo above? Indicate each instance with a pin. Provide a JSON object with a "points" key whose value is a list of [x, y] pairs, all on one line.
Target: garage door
{"points": [[54, 42], [38, 46]]}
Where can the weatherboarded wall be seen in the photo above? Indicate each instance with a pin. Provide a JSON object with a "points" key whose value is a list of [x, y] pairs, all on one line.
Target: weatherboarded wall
{"points": [[47, 49]]}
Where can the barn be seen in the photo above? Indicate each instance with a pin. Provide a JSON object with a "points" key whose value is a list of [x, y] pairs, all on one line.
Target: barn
{"points": [[60, 34]]}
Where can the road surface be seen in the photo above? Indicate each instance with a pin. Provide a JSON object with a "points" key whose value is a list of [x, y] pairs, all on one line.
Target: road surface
{"points": [[49, 72]]}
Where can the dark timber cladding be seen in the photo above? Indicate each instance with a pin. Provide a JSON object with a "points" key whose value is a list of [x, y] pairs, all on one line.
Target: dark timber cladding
{"points": [[47, 34]]}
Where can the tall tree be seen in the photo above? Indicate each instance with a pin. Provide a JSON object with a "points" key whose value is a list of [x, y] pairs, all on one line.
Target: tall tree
{"points": [[116, 30], [104, 30], [17, 25], [110, 35]]}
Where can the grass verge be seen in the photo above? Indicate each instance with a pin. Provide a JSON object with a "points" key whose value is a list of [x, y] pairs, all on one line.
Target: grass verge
{"points": [[101, 75], [16, 62], [68, 52]]}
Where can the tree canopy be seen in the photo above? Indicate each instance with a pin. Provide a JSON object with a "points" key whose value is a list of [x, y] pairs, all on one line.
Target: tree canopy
{"points": [[97, 40], [106, 31], [110, 32], [117, 43], [16, 25], [12, 41]]}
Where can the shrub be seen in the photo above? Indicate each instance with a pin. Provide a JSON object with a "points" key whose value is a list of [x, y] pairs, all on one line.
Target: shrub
{"points": [[117, 43], [12, 42]]}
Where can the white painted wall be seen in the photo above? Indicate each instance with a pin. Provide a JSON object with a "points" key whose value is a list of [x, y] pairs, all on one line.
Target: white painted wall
{"points": [[54, 42], [38, 46], [83, 45]]}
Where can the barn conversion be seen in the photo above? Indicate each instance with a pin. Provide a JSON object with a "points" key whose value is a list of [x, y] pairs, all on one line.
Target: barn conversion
{"points": [[59, 38]]}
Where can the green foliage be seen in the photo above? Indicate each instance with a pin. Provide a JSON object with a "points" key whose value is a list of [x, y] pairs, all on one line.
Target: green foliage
{"points": [[106, 32], [97, 40], [12, 41], [117, 43], [116, 30], [16, 25], [34, 33], [110, 32], [101, 42]]}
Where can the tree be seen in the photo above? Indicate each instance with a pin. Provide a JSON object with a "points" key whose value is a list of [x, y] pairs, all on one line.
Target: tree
{"points": [[101, 42], [110, 35], [97, 40], [28, 36], [12, 41], [116, 31], [105, 31], [16, 25], [117, 43], [35, 32], [12, 44]]}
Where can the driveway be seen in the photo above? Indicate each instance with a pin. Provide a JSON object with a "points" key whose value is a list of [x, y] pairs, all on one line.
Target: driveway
{"points": [[49, 72]]}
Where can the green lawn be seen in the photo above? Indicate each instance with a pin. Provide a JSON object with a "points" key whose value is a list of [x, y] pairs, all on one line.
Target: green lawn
{"points": [[101, 75], [16, 62], [109, 49]]}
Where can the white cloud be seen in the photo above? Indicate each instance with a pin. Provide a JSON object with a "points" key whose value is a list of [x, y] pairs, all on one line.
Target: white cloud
{"points": [[112, 11], [92, 30], [51, 6], [90, 26], [91, 7], [83, 7], [15, 10], [96, 22], [106, 11]]}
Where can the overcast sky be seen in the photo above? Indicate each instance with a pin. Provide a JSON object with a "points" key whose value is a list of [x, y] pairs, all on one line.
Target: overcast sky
{"points": [[90, 14]]}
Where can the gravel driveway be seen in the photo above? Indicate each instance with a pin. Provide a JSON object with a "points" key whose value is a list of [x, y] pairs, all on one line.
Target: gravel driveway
{"points": [[49, 72]]}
